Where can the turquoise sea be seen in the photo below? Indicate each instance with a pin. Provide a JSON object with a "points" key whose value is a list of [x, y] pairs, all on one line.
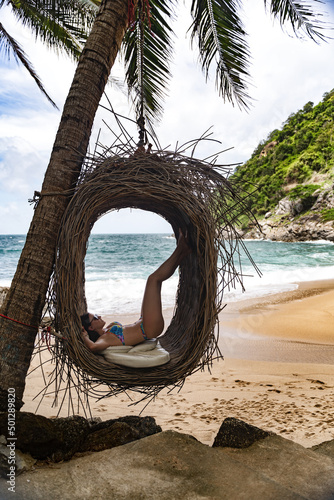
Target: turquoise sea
{"points": [[117, 266]]}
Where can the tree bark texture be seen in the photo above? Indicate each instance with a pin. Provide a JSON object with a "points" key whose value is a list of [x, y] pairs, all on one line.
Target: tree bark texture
{"points": [[26, 297]]}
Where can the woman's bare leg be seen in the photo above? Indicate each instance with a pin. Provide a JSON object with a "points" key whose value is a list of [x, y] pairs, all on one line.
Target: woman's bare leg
{"points": [[152, 317]]}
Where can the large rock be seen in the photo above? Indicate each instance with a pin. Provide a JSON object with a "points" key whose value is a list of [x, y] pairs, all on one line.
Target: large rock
{"points": [[297, 220], [285, 206], [116, 435], [289, 464], [145, 426], [287, 228], [165, 466], [13, 457], [235, 433], [326, 448], [60, 438], [34, 434], [72, 433], [171, 466]]}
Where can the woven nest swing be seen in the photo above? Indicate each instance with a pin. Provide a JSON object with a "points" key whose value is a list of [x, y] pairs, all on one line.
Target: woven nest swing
{"points": [[190, 194]]}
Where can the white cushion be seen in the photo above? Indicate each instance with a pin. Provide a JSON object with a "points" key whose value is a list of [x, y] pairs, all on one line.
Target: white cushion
{"points": [[144, 355]]}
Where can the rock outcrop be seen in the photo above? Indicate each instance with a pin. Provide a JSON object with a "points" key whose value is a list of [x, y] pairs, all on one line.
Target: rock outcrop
{"points": [[234, 433], [170, 466], [296, 220], [57, 439], [285, 228]]}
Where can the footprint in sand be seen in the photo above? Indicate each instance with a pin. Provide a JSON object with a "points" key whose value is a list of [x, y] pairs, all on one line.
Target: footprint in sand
{"points": [[315, 381], [242, 383]]}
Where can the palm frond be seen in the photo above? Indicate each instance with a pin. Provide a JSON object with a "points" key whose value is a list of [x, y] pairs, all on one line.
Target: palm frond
{"points": [[222, 41], [10, 46], [61, 24], [147, 77], [301, 16]]}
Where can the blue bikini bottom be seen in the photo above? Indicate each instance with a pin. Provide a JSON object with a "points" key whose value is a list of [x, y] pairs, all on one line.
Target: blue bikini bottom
{"points": [[143, 331]]}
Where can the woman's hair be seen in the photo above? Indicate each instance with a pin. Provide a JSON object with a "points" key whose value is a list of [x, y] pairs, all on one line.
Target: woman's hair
{"points": [[86, 324]]}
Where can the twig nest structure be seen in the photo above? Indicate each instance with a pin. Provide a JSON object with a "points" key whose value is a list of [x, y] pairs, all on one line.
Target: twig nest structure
{"points": [[190, 194]]}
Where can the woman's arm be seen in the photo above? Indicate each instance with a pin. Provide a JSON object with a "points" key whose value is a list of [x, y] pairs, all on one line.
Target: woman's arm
{"points": [[97, 346]]}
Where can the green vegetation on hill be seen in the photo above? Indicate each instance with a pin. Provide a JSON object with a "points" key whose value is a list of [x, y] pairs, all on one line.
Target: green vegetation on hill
{"points": [[293, 162]]}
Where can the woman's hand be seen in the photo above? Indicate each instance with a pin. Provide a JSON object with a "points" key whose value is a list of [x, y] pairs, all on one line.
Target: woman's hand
{"points": [[83, 332], [95, 347]]}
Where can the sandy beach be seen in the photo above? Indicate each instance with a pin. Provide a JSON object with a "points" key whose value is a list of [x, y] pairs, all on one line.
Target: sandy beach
{"points": [[277, 373]]}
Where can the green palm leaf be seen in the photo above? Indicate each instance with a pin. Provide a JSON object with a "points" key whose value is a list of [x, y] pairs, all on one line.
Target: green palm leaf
{"points": [[61, 24], [300, 15], [222, 41], [11, 47], [148, 78]]}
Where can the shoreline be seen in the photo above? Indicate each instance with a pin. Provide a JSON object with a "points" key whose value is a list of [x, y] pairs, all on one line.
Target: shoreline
{"points": [[278, 383], [276, 327], [301, 315]]}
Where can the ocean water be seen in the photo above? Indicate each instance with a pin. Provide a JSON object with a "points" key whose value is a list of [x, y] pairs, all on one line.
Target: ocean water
{"points": [[117, 266]]}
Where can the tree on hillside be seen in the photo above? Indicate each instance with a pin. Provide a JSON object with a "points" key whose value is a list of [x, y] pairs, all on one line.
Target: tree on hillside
{"points": [[221, 40], [294, 154], [60, 24]]}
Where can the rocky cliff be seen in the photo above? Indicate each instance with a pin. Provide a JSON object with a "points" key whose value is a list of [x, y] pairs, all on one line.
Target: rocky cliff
{"points": [[290, 220], [244, 463], [289, 180]]}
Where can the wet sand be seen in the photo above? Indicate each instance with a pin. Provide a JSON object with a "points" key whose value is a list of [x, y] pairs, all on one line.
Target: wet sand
{"points": [[277, 373]]}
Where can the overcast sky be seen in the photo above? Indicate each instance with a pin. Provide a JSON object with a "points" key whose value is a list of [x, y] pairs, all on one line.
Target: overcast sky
{"points": [[286, 73]]}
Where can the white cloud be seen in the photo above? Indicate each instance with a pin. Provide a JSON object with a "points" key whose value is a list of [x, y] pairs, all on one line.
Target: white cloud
{"points": [[20, 164], [132, 221], [14, 219], [31, 129], [286, 73]]}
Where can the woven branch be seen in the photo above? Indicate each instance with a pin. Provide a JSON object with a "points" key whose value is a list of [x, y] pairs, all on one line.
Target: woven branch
{"points": [[190, 194]]}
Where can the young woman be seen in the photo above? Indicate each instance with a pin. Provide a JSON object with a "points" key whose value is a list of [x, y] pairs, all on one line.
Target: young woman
{"points": [[98, 337]]}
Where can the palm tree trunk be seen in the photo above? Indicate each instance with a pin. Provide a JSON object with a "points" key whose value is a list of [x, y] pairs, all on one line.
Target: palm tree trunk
{"points": [[26, 297]]}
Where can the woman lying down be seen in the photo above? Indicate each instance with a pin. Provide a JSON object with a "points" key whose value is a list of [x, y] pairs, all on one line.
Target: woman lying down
{"points": [[98, 337]]}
